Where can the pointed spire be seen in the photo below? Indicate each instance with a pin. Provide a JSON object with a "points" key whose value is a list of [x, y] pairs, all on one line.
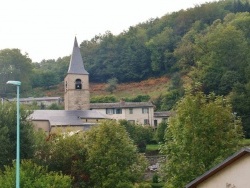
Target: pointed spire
{"points": [[75, 43], [76, 63]]}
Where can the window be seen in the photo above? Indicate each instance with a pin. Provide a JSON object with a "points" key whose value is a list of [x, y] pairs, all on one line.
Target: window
{"points": [[118, 111], [66, 86], [113, 111], [145, 110], [155, 123], [146, 122], [78, 84], [109, 111], [130, 110]]}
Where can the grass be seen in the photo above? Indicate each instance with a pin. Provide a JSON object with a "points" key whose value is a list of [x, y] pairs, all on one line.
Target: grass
{"points": [[152, 147], [245, 143]]}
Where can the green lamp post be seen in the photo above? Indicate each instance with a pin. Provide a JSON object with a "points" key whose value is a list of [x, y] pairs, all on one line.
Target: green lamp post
{"points": [[17, 84]]}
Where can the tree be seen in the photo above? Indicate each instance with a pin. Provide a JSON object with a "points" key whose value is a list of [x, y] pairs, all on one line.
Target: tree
{"points": [[33, 175], [161, 47], [14, 66], [112, 84], [8, 134], [112, 158], [63, 152], [222, 55], [240, 98], [103, 99], [141, 135], [202, 133], [160, 132]]}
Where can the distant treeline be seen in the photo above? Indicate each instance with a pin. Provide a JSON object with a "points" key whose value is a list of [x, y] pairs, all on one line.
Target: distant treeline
{"points": [[209, 44]]}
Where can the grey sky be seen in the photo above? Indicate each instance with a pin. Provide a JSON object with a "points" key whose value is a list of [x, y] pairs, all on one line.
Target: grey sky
{"points": [[45, 29]]}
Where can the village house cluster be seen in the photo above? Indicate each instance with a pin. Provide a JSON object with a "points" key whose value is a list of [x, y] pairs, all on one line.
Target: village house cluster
{"points": [[79, 113]]}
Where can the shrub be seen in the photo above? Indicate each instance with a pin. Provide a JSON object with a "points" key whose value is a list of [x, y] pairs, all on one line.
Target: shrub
{"points": [[33, 176]]}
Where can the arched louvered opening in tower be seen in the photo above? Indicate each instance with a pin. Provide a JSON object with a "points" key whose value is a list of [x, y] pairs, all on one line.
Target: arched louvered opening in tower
{"points": [[78, 84]]}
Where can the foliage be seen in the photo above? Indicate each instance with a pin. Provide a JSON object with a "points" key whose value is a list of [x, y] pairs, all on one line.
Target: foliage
{"points": [[141, 135], [112, 159], [112, 84], [142, 185], [44, 79], [8, 141], [103, 99], [138, 98], [55, 106], [155, 178], [49, 72], [202, 123], [14, 66], [160, 131], [103, 156], [224, 47], [240, 100], [63, 152], [33, 175]]}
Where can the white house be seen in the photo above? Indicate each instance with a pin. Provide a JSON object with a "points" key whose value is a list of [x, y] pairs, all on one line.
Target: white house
{"points": [[231, 173], [134, 112]]}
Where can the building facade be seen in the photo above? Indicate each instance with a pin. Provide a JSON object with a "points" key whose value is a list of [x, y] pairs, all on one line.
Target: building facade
{"points": [[134, 112]]}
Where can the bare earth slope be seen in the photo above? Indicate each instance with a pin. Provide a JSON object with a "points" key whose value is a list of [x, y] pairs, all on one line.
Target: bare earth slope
{"points": [[152, 87]]}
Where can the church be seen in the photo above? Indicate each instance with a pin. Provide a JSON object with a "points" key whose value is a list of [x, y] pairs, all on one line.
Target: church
{"points": [[80, 114]]}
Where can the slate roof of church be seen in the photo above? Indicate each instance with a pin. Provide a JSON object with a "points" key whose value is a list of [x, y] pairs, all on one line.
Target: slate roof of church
{"points": [[120, 105], [76, 65], [66, 117]]}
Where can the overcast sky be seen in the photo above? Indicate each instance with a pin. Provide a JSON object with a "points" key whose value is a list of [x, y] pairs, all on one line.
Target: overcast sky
{"points": [[45, 29]]}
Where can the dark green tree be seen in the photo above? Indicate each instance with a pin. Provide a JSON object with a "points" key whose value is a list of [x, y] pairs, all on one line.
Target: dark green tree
{"points": [[160, 132], [141, 135], [8, 134], [14, 66], [240, 98], [63, 152], [203, 132], [112, 158]]}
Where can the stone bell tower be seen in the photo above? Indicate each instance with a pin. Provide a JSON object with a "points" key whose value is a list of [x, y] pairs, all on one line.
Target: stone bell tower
{"points": [[76, 83]]}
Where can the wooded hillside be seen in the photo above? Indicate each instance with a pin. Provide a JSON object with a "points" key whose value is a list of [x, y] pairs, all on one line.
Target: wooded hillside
{"points": [[208, 44]]}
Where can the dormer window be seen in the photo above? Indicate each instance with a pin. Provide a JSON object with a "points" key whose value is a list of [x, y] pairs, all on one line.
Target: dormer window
{"points": [[78, 84]]}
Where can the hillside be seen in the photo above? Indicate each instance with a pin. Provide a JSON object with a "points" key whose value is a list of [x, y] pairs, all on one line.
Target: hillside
{"points": [[152, 87]]}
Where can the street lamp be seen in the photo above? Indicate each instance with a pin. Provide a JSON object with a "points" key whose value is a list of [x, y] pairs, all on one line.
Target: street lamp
{"points": [[17, 84]]}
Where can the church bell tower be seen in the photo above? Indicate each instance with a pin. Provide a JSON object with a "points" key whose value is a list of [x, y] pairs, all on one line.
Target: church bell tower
{"points": [[76, 83]]}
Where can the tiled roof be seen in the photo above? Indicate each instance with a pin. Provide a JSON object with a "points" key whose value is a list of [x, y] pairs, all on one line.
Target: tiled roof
{"points": [[163, 114], [37, 99], [120, 105], [76, 65], [66, 117]]}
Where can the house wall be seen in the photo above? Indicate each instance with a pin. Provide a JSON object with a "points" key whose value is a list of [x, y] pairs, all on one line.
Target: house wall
{"points": [[159, 120], [137, 116], [76, 99], [235, 175], [41, 124], [62, 129]]}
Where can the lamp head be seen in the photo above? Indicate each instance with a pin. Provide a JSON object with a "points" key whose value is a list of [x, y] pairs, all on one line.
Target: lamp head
{"points": [[16, 83]]}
